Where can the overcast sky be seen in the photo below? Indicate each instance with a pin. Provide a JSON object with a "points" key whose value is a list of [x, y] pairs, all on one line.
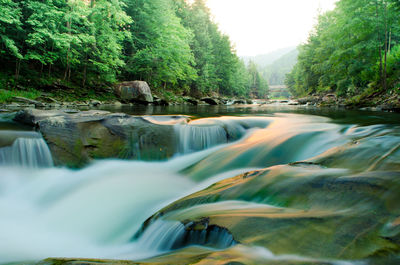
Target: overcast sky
{"points": [[262, 26]]}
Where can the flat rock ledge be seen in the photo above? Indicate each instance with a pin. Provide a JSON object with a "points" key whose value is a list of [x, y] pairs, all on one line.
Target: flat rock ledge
{"points": [[76, 137]]}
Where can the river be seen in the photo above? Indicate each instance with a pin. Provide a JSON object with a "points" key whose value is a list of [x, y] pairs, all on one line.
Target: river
{"points": [[252, 184]]}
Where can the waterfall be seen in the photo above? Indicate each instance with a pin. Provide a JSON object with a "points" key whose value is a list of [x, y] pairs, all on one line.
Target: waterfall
{"points": [[193, 138], [161, 235], [27, 152], [168, 235], [206, 133]]}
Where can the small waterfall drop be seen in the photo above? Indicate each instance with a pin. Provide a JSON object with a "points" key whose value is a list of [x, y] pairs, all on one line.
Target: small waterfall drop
{"points": [[165, 235], [192, 138], [202, 134], [27, 152], [161, 235]]}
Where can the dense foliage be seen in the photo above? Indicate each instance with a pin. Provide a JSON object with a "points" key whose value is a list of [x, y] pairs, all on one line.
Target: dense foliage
{"points": [[171, 44], [354, 49]]}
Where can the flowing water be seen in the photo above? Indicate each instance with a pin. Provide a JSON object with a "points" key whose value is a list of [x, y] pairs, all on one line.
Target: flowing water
{"points": [[326, 176]]}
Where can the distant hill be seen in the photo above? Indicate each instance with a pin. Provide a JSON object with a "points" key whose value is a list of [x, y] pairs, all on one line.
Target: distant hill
{"points": [[276, 72], [264, 60]]}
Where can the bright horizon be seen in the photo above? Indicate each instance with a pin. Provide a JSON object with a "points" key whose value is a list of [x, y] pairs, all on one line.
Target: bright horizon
{"points": [[262, 26]]}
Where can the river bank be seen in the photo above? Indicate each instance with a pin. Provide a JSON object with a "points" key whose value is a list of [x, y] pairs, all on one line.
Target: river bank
{"points": [[373, 101], [62, 98]]}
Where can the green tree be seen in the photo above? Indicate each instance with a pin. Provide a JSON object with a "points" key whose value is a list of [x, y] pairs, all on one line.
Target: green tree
{"points": [[348, 50], [43, 28], [159, 52], [10, 27]]}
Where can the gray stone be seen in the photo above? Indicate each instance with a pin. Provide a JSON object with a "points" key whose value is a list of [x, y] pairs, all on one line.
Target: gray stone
{"points": [[134, 91], [191, 101], [28, 101], [239, 101], [48, 99], [95, 102], [210, 101]]}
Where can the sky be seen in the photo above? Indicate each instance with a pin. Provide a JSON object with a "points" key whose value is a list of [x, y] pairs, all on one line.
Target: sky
{"points": [[261, 26]]}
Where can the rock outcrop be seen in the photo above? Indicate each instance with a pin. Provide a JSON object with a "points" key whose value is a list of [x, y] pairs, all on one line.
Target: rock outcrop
{"points": [[28, 101], [75, 138], [210, 101]]}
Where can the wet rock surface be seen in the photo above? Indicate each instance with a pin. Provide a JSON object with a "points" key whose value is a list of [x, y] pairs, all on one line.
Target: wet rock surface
{"points": [[325, 210], [77, 137]]}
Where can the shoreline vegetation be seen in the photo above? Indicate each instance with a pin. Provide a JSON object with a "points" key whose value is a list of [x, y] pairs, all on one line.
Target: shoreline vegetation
{"points": [[76, 50], [352, 53]]}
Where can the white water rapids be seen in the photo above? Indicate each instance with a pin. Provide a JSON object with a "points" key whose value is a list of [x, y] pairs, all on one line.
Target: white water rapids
{"points": [[91, 213], [94, 212]]}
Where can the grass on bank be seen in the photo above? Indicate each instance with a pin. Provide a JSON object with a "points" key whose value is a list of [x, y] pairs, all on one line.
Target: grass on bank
{"points": [[70, 95], [61, 90], [7, 95]]}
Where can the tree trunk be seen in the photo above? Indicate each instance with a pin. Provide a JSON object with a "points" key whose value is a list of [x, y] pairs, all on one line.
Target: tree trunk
{"points": [[69, 48], [67, 67], [84, 76], [379, 44], [386, 50], [17, 69], [84, 70]]}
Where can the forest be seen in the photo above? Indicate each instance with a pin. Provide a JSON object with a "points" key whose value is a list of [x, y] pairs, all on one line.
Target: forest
{"points": [[172, 44], [353, 51]]}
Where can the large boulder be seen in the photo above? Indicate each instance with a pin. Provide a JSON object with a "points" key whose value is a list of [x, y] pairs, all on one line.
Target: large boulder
{"points": [[134, 91]]}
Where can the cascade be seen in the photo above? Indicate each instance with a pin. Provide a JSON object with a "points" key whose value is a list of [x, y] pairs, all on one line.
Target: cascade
{"points": [[30, 152], [193, 138], [206, 133], [94, 212], [167, 235]]}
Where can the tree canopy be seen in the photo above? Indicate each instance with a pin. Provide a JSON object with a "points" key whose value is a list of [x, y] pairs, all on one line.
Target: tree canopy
{"points": [[352, 49], [171, 44]]}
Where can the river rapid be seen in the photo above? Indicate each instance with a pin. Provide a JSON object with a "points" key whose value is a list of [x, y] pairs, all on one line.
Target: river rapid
{"points": [[252, 185]]}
